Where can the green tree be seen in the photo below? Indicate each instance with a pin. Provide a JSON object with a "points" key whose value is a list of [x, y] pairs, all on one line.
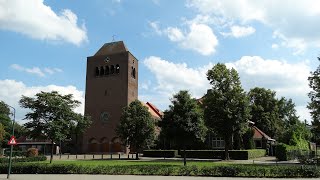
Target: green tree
{"points": [[183, 122], [51, 116], [5, 123], [136, 127], [314, 104], [79, 128], [294, 132], [265, 111], [2, 133], [226, 105]]}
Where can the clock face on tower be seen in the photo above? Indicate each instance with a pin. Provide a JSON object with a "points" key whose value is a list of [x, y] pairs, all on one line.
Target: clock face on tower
{"points": [[104, 117]]}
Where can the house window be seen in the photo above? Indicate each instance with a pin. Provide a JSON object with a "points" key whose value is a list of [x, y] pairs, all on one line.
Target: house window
{"points": [[217, 142], [258, 143]]}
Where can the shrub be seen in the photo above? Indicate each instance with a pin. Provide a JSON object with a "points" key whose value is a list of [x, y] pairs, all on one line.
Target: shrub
{"points": [[25, 159], [219, 154], [285, 152], [14, 153], [32, 152], [160, 153], [165, 170]]}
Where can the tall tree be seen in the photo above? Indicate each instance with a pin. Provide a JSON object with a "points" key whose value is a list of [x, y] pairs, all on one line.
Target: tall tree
{"points": [[265, 111], [294, 132], [226, 104], [51, 115], [314, 104], [6, 124], [183, 122], [136, 127]]}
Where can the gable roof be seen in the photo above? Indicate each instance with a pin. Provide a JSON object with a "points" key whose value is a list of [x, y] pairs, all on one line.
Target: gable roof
{"points": [[258, 134], [112, 48], [154, 111]]}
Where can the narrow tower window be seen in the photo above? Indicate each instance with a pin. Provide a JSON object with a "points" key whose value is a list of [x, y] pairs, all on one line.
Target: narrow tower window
{"points": [[134, 73], [107, 71], [112, 69], [101, 71], [97, 71], [117, 69]]}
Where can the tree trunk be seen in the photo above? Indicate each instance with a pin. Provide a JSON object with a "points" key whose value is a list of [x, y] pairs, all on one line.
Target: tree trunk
{"points": [[52, 148], [137, 155], [226, 148], [184, 156]]}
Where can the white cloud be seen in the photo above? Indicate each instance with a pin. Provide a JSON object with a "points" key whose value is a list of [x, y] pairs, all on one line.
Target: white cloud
{"points": [[287, 79], [199, 37], [39, 21], [11, 92], [296, 21], [36, 70], [174, 34], [173, 77], [275, 46], [155, 26], [240, 31]]}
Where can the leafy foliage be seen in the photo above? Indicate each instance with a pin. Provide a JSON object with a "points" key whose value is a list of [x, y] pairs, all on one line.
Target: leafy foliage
{"points": [[265, 111], [183, 122], [226, 104], [136, 127], [294, 132], [32, 152], [52, 116], [271, 171], [314, 104]]}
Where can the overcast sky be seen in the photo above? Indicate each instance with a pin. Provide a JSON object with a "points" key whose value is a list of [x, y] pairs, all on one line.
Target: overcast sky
{"points": [[271, 43]]}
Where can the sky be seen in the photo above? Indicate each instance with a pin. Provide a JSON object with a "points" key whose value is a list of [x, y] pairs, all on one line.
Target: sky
{"points": [[272, 44]]}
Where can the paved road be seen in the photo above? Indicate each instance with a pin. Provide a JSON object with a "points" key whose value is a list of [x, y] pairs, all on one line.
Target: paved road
{"points": [[110, 177]]}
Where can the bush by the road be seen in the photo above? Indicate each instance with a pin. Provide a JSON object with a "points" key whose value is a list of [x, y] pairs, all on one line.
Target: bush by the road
{"points": [[219, 154], [24, 159], [165, 170], [160, 153]]}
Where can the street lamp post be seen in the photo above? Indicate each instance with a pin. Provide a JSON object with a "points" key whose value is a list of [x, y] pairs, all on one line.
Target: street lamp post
{"points": [[11, 148]]}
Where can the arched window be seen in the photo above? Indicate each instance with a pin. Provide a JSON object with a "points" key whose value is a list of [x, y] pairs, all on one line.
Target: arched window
{"points": [[112, 69], [97, 71], [107, 71], [134, 73], [101, 71], [117, 69]]}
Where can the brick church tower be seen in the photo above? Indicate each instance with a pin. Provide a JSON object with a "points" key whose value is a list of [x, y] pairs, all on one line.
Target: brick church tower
{"points": [[111, 84]]}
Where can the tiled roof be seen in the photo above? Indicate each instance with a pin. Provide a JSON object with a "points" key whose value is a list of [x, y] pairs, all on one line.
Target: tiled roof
{"points": [[260, 134], [112, 48]]}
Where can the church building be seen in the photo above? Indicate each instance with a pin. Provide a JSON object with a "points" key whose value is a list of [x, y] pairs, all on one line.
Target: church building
{"points": [[111, 84]]}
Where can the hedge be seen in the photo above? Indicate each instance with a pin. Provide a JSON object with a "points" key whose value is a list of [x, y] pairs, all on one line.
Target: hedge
{"points": [[167, 170], [24, 159], [285, 152], [219, 154], [160, 153]]}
